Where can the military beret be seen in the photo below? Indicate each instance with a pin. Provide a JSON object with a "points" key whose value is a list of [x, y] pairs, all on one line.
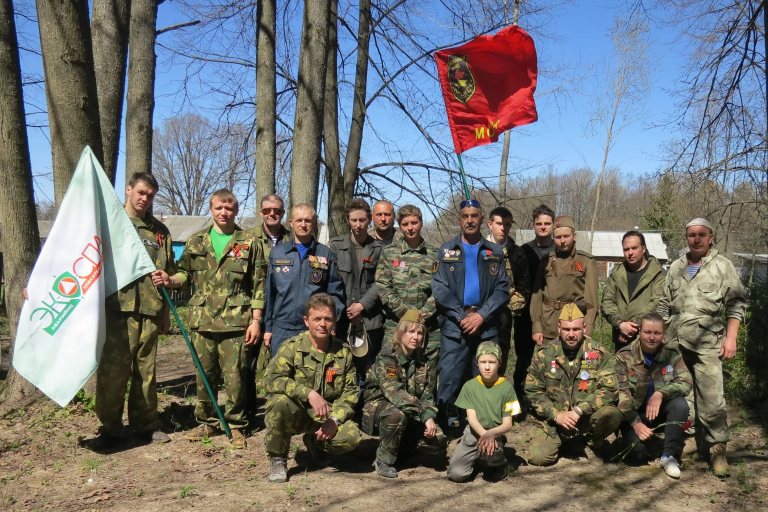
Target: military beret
{"points": [[565, 221], [571, 312], [412, 315], [700, 221], [488, 347]]}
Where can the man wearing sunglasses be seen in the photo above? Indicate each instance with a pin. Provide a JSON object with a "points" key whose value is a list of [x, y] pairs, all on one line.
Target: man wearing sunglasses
{"points": [[470, 286]]}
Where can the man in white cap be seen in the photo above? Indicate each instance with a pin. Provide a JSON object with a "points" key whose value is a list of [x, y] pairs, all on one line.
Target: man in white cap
{"points": [[703, 306]]}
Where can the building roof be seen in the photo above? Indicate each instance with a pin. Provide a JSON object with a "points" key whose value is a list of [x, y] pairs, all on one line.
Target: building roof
{"points": [[606, 244], [758, 258]]}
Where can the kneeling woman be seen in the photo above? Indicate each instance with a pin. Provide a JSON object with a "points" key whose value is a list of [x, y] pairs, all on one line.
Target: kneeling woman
{"points": [[399, 395]]}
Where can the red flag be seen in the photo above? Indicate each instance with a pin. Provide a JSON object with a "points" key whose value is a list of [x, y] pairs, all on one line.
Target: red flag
{"points": [[488, 86]]}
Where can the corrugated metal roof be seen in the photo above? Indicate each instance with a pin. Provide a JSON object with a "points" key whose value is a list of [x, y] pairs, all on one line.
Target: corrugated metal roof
{"points": [[605, 244]]}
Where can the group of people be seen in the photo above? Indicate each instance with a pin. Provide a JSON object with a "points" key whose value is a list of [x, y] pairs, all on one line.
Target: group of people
{"points": [[381, 333]]}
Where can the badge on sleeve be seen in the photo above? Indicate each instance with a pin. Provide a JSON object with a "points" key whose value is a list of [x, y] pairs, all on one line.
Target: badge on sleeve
{"points": [[513, 408], [316, 276], [493, 269], [391, 372], [435, 266]]}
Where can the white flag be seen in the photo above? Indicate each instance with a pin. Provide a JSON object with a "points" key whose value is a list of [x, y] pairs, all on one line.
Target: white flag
{"points": [[92, 251]]}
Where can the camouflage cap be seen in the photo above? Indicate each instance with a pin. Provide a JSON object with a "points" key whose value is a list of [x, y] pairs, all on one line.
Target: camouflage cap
{"points": [[571, 312], [565, 221], [700, 221], [412, 315], [488, 347], [357, 339]]}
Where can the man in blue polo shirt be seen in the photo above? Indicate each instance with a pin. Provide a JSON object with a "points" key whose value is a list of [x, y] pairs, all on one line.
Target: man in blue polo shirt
{"points": [[470, 286]]}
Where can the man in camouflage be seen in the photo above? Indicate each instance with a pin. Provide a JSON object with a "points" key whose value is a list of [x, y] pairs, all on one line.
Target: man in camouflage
{"points": [[404, 280], [704, 305], [569, 275], [573, 390], [653, 383], [135, 315], [516, 262], [313, 390], [399, 396], [225, 267]]}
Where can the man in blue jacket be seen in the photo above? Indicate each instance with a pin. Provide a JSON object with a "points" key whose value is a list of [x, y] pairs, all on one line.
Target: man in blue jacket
{"points": [[298, 269], [470, 286]]}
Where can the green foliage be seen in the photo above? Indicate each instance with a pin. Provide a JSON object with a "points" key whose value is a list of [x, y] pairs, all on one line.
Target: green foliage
{"points": [[187, 490], [92, 464], [87, 400], [660, 216]]}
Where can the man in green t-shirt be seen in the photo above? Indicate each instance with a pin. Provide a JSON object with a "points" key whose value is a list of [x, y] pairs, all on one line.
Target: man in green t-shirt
{"points": [[490, 402]]}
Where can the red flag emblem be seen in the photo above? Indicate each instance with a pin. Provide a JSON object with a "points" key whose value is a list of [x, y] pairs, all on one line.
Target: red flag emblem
{"points": [[488, 85]]}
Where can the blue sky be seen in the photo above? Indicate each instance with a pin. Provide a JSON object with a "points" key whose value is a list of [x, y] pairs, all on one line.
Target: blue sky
{"points": [[577, 40]]}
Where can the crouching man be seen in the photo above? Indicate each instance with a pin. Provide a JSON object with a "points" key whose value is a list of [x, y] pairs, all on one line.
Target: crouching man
{"points": [[313, 387], [573, 390], [653, 384]]}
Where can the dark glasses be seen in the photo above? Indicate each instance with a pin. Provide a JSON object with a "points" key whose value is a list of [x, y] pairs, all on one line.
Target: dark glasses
{"points": [[469, 203], [268, 211]]}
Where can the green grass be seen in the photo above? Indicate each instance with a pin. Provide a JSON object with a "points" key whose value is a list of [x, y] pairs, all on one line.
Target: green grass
{"points": [[187, 490]]}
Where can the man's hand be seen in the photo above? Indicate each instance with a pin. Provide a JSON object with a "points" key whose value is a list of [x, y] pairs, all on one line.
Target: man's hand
{"points": [[653, 406], [430, 428], [567, 419], [728, 348], [355, 311], [628, 329], [320, 407], [642, 432], [253, 333], [327, 430], [160, 278], [267, 339], [487, 443], [471, 323], [538, 338]]}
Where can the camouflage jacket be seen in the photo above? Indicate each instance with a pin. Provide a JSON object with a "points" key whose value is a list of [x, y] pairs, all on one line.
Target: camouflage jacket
{"points": [[404, 281], [555, 385], [669, 374], [618, 306], [141, 296], [224, 291], [406, 383], [695, 308], [264, 241], [299, 368], [560, 281]]}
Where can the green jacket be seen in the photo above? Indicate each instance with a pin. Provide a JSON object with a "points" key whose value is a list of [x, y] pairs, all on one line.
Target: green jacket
{"points": [[404, 281], [669, 374], [618, 306], [226, 290], [407, 383], [298, 369], [141, 296], [553, 385], [695, 309]]}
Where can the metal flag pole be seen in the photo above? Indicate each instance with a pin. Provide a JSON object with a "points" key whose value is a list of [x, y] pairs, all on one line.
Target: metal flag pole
{"points": [[463, 176], [196, 359]]}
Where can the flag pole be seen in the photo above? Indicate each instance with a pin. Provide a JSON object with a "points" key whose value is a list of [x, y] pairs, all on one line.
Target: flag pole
{"points": [[196, 359], [463, 176]]}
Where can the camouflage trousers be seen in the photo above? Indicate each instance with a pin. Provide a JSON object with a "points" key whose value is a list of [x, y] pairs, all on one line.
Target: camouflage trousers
{"points": [[395, 428], [466, 455], [285, 417], [432, 341], [545, 445], [129, 352], [223, 357], [706, 400]]}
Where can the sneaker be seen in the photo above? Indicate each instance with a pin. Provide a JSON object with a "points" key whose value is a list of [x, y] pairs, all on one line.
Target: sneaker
{"points": [[719, 461], [278, 470], [319, 456], [670, 465], [156, 436], [238, 440], [384, 469], [202, 431]]}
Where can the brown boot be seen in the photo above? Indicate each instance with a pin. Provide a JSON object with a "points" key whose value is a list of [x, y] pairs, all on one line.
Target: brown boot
{"points": [[719, 462]]}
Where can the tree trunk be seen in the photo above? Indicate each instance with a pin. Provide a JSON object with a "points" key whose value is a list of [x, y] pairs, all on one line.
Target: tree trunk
{"points": [[355, 140], [141, 88], [332, 156], [308, 116], [266, 99], [110, 49], [70, 86], [19, 237]]}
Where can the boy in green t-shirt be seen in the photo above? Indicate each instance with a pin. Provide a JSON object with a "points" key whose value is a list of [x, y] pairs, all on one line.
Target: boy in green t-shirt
{"points": [[490, 402]]}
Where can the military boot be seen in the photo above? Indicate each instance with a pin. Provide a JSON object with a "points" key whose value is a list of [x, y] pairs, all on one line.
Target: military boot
{"points": [[384, 469], [319, 457], [278, 470], [718, 460]]}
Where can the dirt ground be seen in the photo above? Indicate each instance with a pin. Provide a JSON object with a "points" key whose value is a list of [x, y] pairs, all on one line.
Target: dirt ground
{"points": [[44, 467]]}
